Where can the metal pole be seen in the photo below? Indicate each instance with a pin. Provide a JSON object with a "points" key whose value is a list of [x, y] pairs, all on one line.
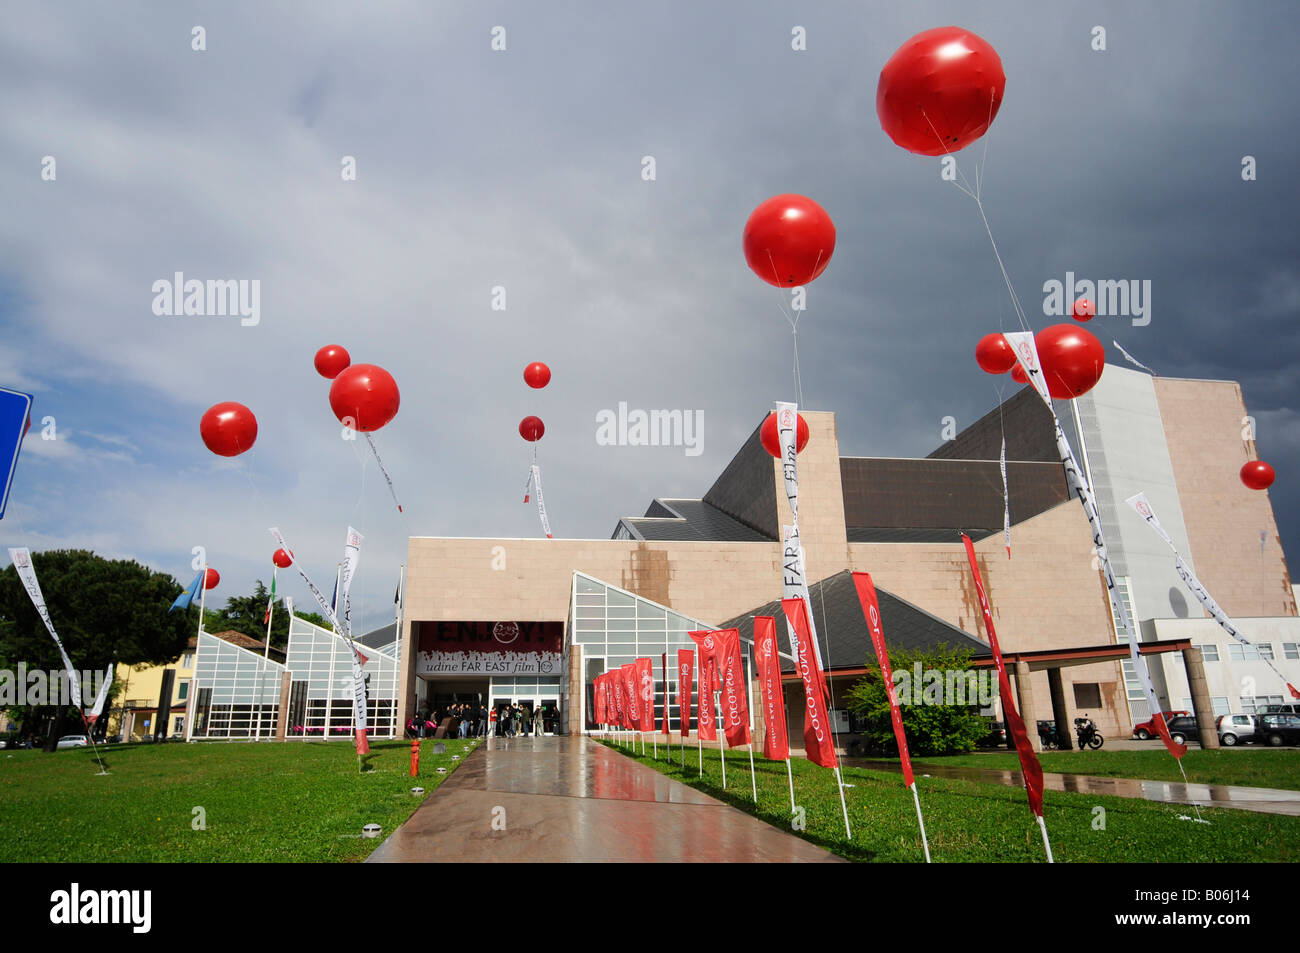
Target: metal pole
{"points": [[790, 774]]}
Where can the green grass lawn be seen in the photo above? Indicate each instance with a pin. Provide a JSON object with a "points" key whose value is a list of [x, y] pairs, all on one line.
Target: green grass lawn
{"points": [[292, 802], [1261, 768], [970, 821]]}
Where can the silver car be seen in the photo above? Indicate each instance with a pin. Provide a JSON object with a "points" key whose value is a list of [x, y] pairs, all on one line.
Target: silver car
{"points": [[73, 741], [1235, 728]]}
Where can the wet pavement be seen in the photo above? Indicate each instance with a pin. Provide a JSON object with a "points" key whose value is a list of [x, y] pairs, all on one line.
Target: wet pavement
{"points": [[573, 800], [1261, 800]]}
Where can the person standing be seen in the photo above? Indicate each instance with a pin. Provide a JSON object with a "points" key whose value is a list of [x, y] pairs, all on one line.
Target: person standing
{"points": [[538, 717]]}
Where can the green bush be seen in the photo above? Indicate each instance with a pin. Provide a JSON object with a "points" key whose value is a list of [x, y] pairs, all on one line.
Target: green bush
{"points": [[931, 728]]}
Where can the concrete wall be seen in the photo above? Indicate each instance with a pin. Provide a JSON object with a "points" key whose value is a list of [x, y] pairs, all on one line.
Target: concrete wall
{"points": [[1228, 678]]}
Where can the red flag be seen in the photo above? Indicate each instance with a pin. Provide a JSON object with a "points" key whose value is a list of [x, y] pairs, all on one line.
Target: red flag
{"points": [[685, 675], [616, 692], [667, 730], [818, 743], [735, 689], [631, 704], [704, 640], [1029, 766], [871, 609], [776, 743], [645, 687], [598, 700]]}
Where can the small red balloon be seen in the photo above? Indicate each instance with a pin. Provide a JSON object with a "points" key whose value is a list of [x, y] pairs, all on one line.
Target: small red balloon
{"points": [[1257, 475], [994, 354], [364, 397], [228, 429], [331, 360], [788, 240], [537, 375], [940, 91], [282, 558], [1084, 310], [1072, 360], [1018, 374], [769, 435], [531, 429], [211, 579]]}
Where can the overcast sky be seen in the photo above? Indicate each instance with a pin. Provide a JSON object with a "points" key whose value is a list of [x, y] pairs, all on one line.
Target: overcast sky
{"points": [[522, 168]]}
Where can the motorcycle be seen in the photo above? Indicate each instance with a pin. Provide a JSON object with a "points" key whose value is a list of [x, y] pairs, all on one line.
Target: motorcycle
{"points": [[1087, 733]]}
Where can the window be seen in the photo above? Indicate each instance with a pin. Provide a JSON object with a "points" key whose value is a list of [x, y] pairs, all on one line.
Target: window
{"points": [[1209, 653], [183, 691], [1087, 695], [1251, 704], [1265, 650], [187, 660], [1220, 703], [1244, 653], [1291, 650]]}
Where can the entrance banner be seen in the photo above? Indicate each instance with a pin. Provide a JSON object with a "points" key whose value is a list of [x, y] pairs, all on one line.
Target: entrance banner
{"points": [[735, 689], [818, 743], [776, 742], [667, 727], [685, 676], [705, 647], [632, 706], [871, 610], [645, 686]]}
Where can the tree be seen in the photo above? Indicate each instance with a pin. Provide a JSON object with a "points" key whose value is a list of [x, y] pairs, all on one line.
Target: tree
{"points": [[932, 724], [103, 610]]}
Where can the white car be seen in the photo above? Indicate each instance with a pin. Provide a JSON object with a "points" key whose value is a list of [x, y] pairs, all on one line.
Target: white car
{"points": [[73, 741]]}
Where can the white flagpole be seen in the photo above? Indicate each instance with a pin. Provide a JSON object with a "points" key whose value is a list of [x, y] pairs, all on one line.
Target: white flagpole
{"points": [[270, 615], [790, 774], [722, 741], [749, 676], [920, 820], [1042, 825], [839, 782]]}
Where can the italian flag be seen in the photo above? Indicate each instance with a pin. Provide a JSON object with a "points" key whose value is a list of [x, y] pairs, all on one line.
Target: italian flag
{"points": [[266, 620]]}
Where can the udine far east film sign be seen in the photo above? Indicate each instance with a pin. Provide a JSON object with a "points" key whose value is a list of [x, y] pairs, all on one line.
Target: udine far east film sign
{"points": [[490, 648]]}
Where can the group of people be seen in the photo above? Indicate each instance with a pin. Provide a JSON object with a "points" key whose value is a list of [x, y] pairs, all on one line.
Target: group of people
{"points": [[476, 721]]}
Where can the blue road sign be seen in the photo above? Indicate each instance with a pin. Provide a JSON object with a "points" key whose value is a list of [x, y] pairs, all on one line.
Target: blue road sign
{"points": [[14, 408]]}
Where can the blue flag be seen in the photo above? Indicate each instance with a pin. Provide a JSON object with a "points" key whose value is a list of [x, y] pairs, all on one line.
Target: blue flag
{"points": [[185, 598], [334, 600]]}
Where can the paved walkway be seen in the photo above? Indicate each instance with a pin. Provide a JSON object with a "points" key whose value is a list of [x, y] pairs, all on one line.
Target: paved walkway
{"points": [[1260, 800], [574, 800]]}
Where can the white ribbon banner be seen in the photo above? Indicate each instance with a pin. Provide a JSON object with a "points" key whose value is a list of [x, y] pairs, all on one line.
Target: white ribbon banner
{"points": [[794, 574], [535, 479], [1142, 506], [1006, 498], [22, 560]]}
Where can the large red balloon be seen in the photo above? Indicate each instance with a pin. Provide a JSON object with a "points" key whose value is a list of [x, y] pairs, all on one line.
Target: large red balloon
{"points": [[211, 579], [1257, 475], [770, 437], [537, 375], [331, 360], [994, 354], [1018, 374], [940, 91], [282, 558], [1072, 360], [364, 397], [531, 429], [228, 428], [1084, 310], [789, 240]]}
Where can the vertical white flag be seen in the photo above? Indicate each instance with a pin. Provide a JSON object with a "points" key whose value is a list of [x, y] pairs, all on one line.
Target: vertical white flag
{"points": [[794, 575], [1006, 498], [22, 560]]}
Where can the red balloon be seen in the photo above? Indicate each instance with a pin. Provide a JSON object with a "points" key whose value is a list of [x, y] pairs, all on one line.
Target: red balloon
{"points": [[994, 354], [770, 438], [940, 91], [537, 375], [1084, 310], [789, 240], [211, 579], [364, 397], [1257, 475], [228, 429], [1018, 374], [1072, 360], [331, 360], [282, 558], [531, 429]]}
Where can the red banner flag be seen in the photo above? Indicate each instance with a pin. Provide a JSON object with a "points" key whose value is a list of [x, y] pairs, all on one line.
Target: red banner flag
{"points": [[776, 743], [818, 743], [645, 687], [735, 690], [685, 676], [667, 729], [871, 610], [631, 696], [616, 693], [1029, 766], [704, 641]]}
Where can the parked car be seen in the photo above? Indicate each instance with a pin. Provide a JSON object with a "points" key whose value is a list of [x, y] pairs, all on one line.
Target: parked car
{"points": [[1278, 729], [996, 737], [1281, 709], [1235, 728], [1147, 729], [73, 741], [1183, 728]]}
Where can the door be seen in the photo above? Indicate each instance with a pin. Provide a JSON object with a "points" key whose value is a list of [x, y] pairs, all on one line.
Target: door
{"points": [[550, 715]]}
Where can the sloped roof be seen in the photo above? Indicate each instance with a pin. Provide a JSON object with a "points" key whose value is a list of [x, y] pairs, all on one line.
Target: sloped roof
{"points": [[691, 520]]}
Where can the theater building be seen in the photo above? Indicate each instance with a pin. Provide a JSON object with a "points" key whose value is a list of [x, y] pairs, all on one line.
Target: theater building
{"points": [[535, 620]]}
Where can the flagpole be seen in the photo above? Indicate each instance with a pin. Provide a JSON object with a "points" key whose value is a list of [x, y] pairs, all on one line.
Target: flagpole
{"points": [[722, 739], [839, 782], [1042, 825], [790, 774], [920, 820], [270, 613], [749, 681]]}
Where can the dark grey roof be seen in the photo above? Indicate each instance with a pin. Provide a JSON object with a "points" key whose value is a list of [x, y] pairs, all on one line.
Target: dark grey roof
{"points": [[378, 638], [889, 534], [691, 520], [842, 629]]}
